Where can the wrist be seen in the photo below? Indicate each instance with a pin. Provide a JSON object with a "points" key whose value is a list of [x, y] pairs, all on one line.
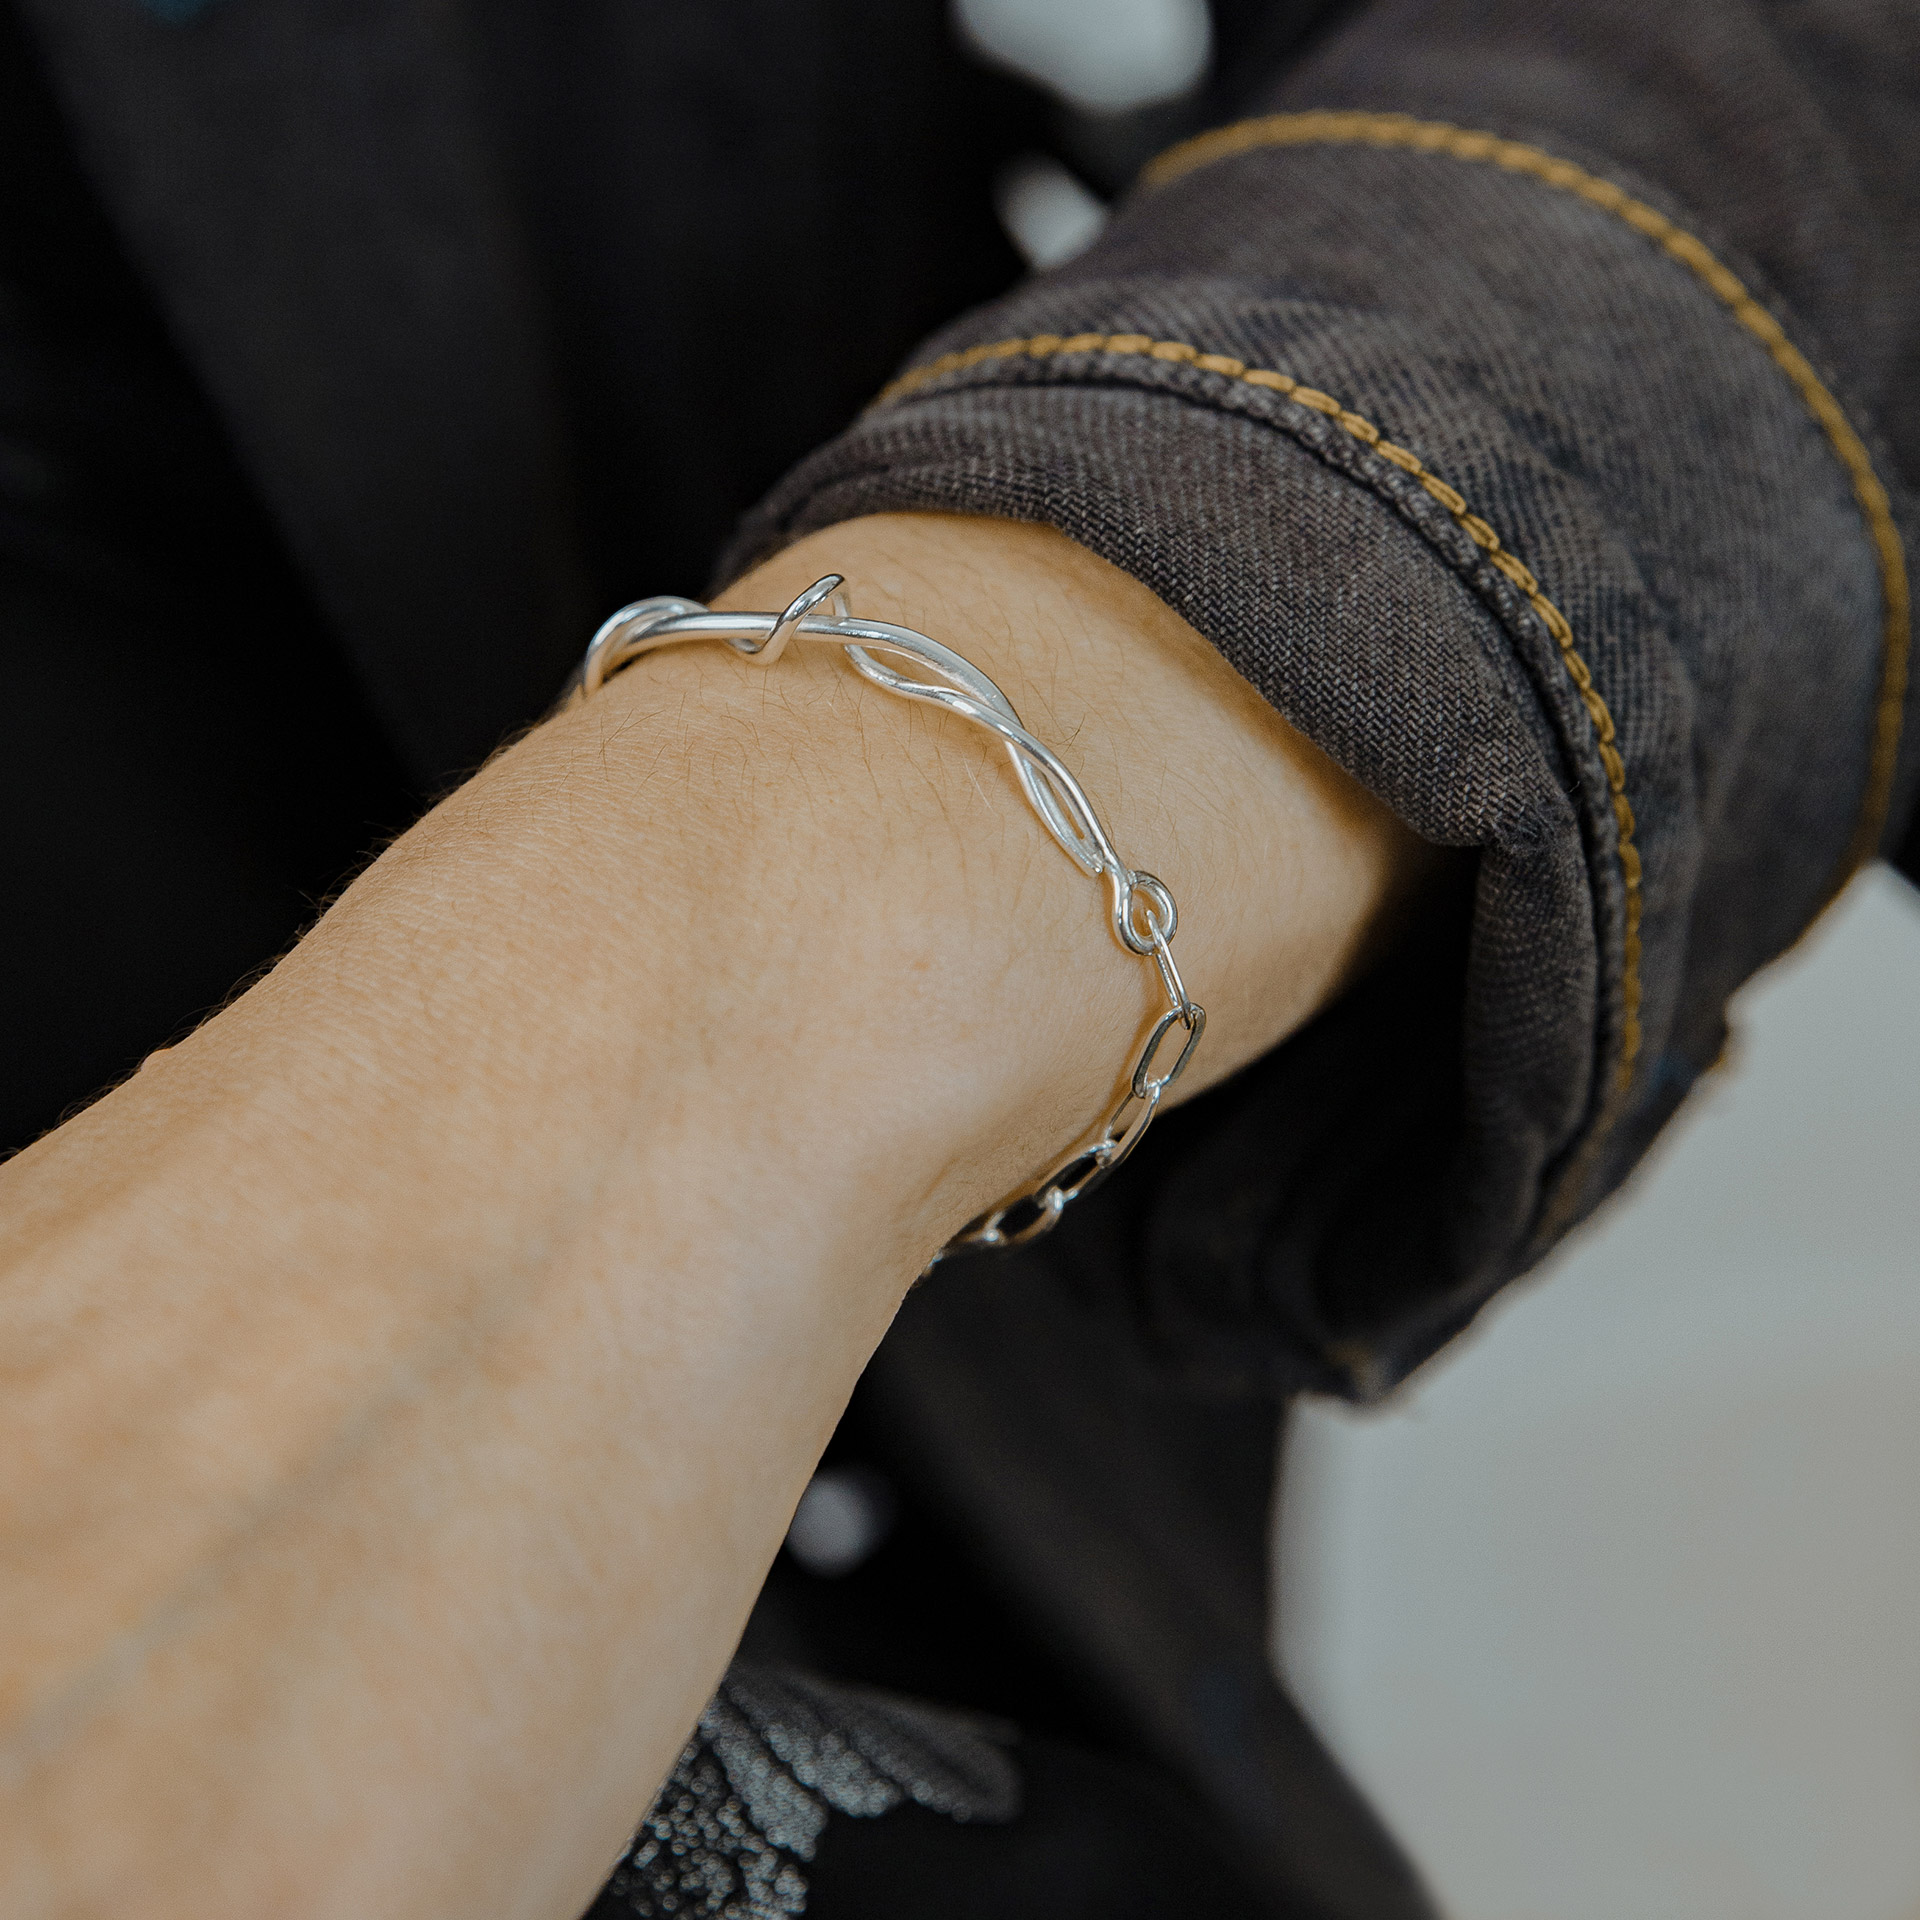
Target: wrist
{"points": [[909, 969]]}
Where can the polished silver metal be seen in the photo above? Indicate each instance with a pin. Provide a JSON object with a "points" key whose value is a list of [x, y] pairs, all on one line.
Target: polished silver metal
{"points": [[775, 644], [1140, 907]]}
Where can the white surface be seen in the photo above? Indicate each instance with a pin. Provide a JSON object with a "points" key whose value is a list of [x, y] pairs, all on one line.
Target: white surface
{"points": [[1047, 213], [1617, 1613], [1102, 56]]}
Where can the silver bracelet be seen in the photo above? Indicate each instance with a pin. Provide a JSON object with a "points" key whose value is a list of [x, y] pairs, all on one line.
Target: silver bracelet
{"points": [[1140, 908]]}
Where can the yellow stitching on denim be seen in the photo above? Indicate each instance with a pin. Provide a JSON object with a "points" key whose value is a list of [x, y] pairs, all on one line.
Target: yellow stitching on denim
{"points": [[1047, 346], [1436, 136]]}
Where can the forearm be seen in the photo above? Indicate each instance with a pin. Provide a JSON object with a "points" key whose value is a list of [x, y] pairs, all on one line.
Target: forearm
{"points": [[411, 1375]]}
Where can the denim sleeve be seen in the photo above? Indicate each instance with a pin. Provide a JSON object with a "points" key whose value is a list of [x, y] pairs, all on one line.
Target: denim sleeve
{"points": [[1515, 397]]}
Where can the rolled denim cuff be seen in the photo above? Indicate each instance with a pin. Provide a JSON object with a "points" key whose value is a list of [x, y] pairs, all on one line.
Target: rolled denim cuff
{"points": [[1508, 512]]}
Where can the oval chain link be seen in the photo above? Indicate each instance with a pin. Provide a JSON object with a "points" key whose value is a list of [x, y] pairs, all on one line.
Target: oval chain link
{"points": [[1141, 908]]}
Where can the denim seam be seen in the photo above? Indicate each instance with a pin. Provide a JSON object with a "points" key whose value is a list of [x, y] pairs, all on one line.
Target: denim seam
{"points": [[1493, 553], [1403, 132]]}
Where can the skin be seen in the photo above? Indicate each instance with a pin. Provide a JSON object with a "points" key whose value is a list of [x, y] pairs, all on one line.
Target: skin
{"points": [[408, 1379]]}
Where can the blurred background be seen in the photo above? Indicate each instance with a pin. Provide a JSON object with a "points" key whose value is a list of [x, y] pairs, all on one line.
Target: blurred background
{"points": [[1616, 1609]]}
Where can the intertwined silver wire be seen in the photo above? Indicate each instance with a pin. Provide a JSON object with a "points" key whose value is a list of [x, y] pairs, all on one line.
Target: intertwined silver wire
{"points": [[1140, 909]]}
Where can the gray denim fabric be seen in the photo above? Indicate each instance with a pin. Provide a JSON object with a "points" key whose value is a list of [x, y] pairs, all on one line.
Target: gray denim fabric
{"points": [[1639, 451]]}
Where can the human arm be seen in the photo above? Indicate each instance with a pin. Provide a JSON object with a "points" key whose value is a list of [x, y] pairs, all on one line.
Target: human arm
{"points": [[410, 1375]]}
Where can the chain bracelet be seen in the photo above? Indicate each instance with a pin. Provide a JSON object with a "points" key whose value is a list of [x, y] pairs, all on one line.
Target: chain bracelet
{"points": [[1140, 909]]}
